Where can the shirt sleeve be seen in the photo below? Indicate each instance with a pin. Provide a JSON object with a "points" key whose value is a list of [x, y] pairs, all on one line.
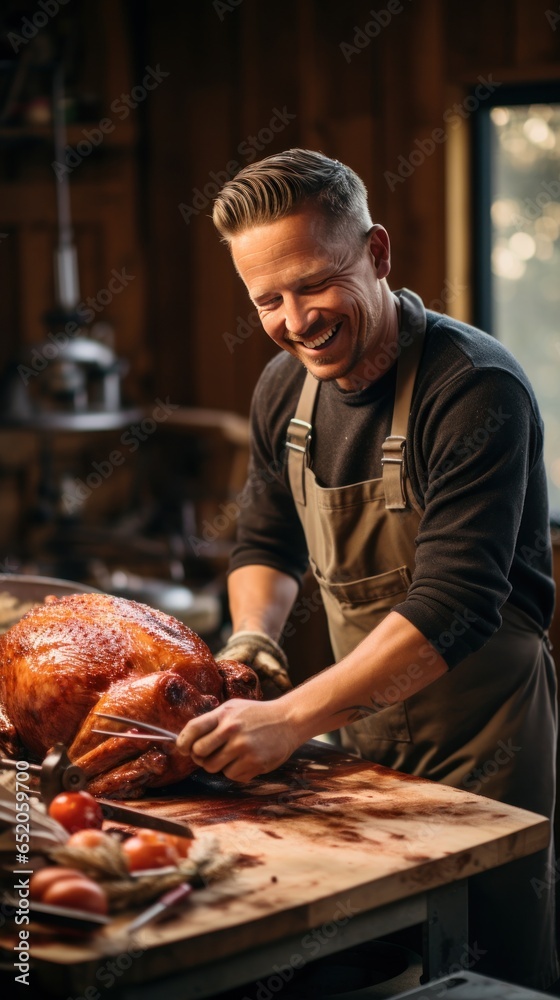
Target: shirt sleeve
{"points": [[479, 442]]}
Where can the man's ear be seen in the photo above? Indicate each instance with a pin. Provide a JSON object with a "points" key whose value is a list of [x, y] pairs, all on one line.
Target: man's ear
{"points": [[380, 249]]}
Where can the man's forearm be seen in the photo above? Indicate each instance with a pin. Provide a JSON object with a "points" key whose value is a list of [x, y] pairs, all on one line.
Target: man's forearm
{"points": [[394, 661], [260, 599], [243, 738]]}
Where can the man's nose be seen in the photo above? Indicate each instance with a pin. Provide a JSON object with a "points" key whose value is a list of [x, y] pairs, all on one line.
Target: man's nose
{"points": [[299, 315]]}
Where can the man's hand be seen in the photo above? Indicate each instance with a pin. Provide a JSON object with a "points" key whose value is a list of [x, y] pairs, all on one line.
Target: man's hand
{"points": [[241, 738], [264, 655], [244, 738]]}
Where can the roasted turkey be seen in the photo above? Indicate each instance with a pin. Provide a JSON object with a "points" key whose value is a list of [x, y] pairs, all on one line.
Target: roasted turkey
{"points": [[74, 656]]}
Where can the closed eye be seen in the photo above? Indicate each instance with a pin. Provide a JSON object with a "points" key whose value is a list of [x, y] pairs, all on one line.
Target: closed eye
{"points": [[316, 285], [269, 304], [304, 290]]}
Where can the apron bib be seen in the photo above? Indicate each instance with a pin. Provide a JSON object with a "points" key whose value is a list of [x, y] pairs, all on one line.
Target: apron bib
{"points": [[481, 726]]}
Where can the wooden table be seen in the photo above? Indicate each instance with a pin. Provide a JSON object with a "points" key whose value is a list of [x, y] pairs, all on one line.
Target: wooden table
{"points": [[333, 851]]}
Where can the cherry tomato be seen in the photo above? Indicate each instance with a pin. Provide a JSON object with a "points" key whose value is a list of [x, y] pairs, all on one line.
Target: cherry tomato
{"points": [[77, 894], [76, 811], [149, 849], [46, 877], [89, 838]]}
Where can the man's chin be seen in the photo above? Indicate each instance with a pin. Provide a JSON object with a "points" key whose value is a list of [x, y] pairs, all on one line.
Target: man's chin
{"points": [[316, 372], [326, 370]]}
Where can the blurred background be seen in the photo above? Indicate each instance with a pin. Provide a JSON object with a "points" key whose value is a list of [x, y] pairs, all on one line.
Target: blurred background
{"points": [[129, 349]]}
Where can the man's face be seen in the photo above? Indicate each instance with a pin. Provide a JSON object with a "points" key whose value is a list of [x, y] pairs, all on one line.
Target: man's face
{"points": [[320, 298]]}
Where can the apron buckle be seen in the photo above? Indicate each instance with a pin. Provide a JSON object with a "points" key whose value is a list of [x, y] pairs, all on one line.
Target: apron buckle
{"points": [[300, 431], [298, 438], [393, 472]]}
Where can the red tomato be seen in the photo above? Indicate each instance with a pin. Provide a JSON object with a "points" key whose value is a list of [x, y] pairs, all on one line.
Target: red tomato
{"points": [[46, 877], [89, 838], [149, 849], [77, 894], [76, 811]]}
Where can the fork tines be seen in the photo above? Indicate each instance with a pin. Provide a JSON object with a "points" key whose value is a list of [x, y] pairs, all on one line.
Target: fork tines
{"points": [[137, 723]]}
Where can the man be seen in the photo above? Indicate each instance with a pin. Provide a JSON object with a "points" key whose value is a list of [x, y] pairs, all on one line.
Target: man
{"points": [[400, 452]]}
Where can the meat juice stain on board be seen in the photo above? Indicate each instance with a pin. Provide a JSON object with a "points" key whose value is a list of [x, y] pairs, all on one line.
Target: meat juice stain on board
{"points": [[248, 860], [298, 789], [293, 790]]}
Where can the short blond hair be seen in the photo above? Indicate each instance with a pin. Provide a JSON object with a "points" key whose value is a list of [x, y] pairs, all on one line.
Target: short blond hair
{"points": [[279, 185]]}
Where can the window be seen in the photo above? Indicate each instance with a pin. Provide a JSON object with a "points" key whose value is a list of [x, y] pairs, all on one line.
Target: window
{"points": [[517, 240]]}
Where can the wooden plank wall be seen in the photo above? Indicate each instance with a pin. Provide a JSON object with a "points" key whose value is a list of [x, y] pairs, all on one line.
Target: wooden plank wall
{"points": [[231, 64]]}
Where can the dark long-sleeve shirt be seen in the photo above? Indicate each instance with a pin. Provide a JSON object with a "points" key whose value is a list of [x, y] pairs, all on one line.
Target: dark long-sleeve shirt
{"points": [[475, 464]]}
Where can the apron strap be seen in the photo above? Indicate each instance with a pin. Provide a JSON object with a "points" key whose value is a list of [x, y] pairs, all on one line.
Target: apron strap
{"points": [[393, 461], [298, 439]]}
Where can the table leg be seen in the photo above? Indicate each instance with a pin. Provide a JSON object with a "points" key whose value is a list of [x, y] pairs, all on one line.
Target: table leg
{"points": [[446, 933]]}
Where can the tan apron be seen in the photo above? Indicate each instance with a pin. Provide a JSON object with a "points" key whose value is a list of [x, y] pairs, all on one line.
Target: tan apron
{"points": [[489, 724]]}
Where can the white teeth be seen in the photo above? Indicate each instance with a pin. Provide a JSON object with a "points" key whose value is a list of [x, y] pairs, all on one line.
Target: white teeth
{"points": [[320, 340]]}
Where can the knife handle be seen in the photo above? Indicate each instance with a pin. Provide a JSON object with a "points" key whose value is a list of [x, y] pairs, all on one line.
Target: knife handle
{"points": [[177, 895]]}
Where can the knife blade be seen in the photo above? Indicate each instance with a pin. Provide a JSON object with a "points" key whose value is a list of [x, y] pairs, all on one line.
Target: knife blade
{"points": [[164, 904], [62, 916], [137, 817]]}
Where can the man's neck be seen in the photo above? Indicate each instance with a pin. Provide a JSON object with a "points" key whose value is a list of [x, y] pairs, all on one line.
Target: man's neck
{"points": [[374, 367]]}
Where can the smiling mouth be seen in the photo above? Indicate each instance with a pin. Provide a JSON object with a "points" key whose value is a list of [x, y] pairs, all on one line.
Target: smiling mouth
{"points": [[320, 341]]}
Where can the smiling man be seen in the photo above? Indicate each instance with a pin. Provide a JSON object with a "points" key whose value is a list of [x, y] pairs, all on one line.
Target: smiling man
{"points": [[336, 328], [436, 596]]}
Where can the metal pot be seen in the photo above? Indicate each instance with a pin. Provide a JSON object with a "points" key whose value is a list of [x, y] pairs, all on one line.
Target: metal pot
{"points": [[25, 591], [201, 612], [36, 588]]}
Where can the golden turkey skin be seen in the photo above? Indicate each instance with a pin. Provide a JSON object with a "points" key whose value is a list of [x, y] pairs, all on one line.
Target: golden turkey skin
{"points": [[73, 656]]}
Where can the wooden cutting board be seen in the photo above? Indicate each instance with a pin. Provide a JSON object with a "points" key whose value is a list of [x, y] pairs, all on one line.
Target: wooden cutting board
{"points": [[326, 835]]}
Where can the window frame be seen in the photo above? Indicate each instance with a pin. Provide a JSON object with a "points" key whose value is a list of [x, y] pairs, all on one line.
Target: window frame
{"points": [[514, 94]]}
